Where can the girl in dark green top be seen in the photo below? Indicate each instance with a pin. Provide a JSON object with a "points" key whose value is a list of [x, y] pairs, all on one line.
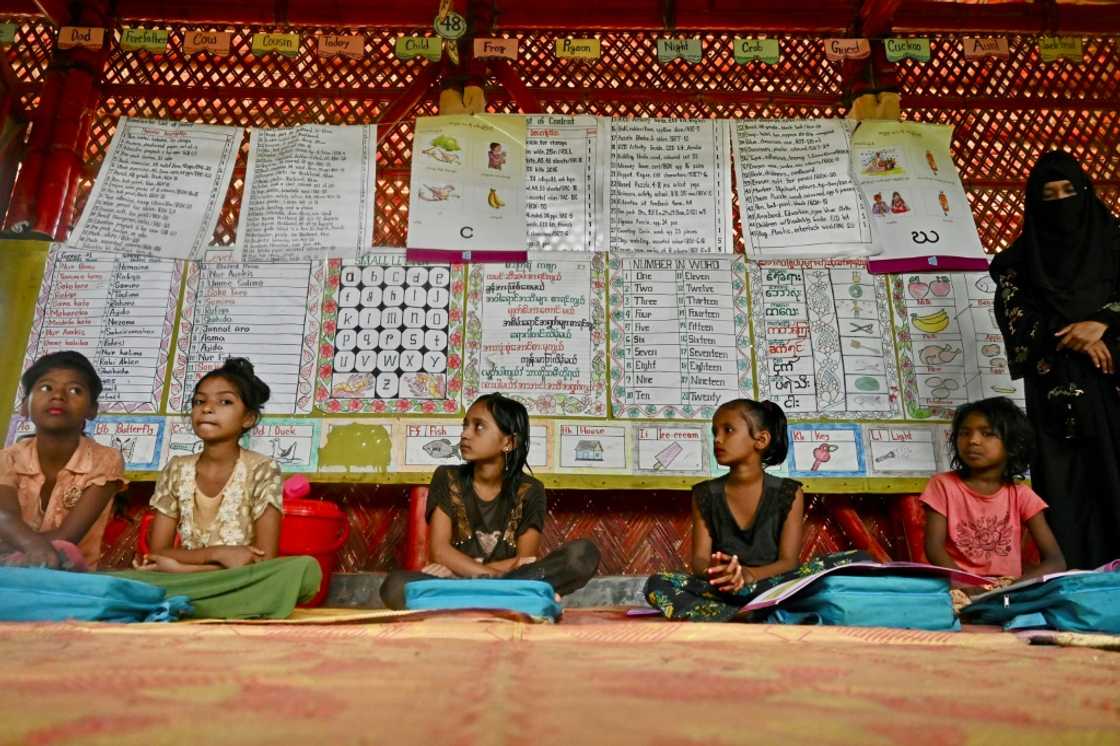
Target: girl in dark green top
{"points": [[746, 525], [485, 518]]}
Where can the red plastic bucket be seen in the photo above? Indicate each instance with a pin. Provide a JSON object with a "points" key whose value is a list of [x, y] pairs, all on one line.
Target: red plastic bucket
{"points": [[316, 528]]}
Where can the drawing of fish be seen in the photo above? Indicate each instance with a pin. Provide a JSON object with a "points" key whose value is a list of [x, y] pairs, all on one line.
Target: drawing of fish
{"points": [[442, 448]]}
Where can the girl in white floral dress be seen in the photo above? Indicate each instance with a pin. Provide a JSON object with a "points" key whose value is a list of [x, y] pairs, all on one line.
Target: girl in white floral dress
{"points": [[224, 502]]}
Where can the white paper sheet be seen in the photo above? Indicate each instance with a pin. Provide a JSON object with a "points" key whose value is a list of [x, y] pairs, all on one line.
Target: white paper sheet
{"points": [[309, 193], [670, 186], [160, 189]]}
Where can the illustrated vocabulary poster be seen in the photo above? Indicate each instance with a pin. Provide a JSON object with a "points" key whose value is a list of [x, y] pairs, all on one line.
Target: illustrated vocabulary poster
{"points": [[950, 348], [823, 340], [914, 195], [468, 187]]}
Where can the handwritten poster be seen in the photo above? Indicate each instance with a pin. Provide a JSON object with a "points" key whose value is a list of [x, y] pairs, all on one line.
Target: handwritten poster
{"points": [[797, 198], [467, 197], [680, 335], [392, 336], [821, 450], [180, 439], [291, 443], [116, 309], [670, 186], [565, 162], [309, 193], [671, 449], [160, 189], [950, 348], [537, 332], [593, 446], [427, 444], [138, 438], [897, 450], [268, 313], [913, 193], [823, 340]]}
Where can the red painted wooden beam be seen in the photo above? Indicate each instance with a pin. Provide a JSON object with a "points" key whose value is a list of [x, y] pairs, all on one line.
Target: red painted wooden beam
{"points": [[416, 537], [421, 86], [846, 517], [508, 78], [910, 517], [56, 11], [930, 16]]}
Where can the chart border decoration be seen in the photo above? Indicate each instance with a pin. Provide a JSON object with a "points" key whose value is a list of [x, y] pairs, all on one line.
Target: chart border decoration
{"points": [[31, 351], [183, 342], [312, 329], [168, 333], [743, 345], [34, 336], [882, 297], [551, 404], [450, 404], [904, 341]]}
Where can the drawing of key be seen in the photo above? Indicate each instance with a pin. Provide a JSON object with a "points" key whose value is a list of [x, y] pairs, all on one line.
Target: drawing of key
{"points": [[666, 456], [885, 456], [822, 454], [864, 328]]}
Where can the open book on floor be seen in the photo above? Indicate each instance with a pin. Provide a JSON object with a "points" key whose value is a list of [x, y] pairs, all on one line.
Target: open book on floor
{"points": [[782, 591], [1112, 566]]}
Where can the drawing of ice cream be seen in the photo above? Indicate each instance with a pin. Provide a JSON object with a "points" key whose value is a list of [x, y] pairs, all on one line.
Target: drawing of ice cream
{"points": [[667, 456]]}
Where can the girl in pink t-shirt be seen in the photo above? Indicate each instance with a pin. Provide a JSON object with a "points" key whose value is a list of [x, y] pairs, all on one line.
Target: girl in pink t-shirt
{"points": [[975, 514]]}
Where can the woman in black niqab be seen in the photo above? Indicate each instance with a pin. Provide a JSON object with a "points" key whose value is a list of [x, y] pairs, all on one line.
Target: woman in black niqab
{"points": [[1058, 305]]}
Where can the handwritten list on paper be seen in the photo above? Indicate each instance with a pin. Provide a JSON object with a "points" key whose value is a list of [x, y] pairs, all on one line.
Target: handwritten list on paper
{"points": [[537, 332], [823, 340], [950, 346], [680, 335], [309, 191], [670, 186], [797, 198], [116, 309], [160, 189], [268, 313], [564, 166]]}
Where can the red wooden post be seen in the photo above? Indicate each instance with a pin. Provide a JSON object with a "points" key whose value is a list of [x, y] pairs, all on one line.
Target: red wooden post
{"points": [[416, 541], [910, 517], [841, 510], [21, 210]]}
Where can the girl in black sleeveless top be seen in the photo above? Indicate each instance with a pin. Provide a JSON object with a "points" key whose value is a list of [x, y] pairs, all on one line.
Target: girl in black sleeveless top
{"points": [[746, 525]]}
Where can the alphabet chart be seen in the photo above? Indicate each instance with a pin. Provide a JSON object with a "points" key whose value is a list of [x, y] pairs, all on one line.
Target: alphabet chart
{"points": [[950, 348], [392, 336], [823, 341]]}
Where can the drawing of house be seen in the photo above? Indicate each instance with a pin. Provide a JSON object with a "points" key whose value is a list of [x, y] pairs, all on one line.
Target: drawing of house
{"points": [[589, 450]]}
